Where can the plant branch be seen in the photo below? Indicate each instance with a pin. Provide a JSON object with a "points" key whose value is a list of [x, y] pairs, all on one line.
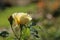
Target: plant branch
{"points": [[14, 33]]}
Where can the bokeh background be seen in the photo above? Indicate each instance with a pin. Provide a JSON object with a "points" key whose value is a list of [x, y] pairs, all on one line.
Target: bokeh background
{"points": [[46, 11]]}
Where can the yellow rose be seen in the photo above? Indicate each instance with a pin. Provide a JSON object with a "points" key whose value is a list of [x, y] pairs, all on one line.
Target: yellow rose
{"points": [[21, 18]]}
